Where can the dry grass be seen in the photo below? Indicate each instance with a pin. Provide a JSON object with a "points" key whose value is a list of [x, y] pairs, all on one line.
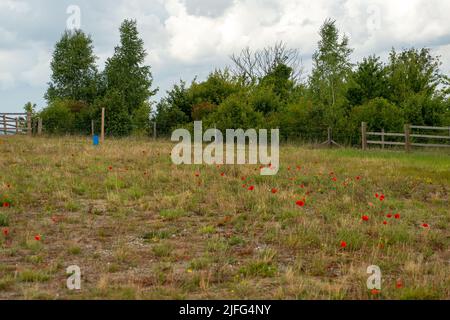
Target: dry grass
{"points": [[147, 229]]}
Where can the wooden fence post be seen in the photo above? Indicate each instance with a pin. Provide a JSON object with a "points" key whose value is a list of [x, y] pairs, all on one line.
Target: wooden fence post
{"points": [[39, 129], [92, 128], [17, 125], [382, 138], [102, 135], [407, 137], [4, 124], [29, 131], [154, 130], [329, 137], [363, 135]]}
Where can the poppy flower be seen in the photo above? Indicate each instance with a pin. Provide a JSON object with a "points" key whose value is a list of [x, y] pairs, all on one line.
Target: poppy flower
{"points": [[302, 186], [399, 284], [365, 218], [343, 244], [37, 237], [274, 190], [289, 168], [223, 174], [5, 204], [5, 232], [243, 178], [385, 222], [376, 195], [334, 179], [358, 178], [375, 292], [110, 168], [425, 225], [251, 188], [300, 203], [389, 215], [382, 197], [397, 216], [244, 186], [197, 174]]}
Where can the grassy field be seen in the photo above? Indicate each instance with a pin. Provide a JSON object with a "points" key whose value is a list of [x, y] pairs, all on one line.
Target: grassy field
{"points": [[141, 228]]}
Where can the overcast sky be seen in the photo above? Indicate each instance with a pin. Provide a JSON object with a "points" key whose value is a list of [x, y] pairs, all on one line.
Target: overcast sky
{"points": [[185, 38]]}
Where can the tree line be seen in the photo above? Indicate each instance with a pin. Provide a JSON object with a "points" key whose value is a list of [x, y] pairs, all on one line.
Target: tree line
{"points": [[260, 89]]}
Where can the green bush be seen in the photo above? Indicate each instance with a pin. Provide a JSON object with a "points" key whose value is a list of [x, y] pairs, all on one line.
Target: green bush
{"points": [[57, 118]]}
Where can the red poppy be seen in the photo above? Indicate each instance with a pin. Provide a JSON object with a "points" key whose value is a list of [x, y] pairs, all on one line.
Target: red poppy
{"points": [[425, 225], [197, 174], [6, 232], [376, 195], [223, 174], [384, 222], [251, 188], [5, 204], [389, 215], [358, 178], [299, 168], [397, 216], [243, 178], [334, 179], [302, 186], [382, 197], [399, 284], [110, 168], [300, 203], [244, 186], [365, 218], [375, 292], [274, 190], [289, 168], [37, 237], [343, 244]]}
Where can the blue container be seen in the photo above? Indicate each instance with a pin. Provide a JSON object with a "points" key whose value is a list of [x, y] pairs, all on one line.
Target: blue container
{"points": [[95, 140]]}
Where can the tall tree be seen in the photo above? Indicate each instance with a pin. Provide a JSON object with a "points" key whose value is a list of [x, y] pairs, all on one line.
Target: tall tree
{"points": [[74, 73], [125, 72], [331, 69], [413, 71]]}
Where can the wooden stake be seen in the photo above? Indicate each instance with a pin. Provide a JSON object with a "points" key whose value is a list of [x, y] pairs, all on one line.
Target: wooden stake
{"points": [[102, 136], [407, 137], [92, 128], [17, 125], [29, 123], [363, 135], [154, 130], [382, 138], [4, 124], [39, 126]]}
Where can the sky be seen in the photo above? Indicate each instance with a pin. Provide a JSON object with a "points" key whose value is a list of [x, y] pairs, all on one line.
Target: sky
{"points": [[189, 38]]}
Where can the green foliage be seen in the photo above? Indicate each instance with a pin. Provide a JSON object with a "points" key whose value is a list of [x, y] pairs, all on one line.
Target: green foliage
{"points": [[379, 114], [58, 118], [74, 73], [235, 113], [369, 81]]}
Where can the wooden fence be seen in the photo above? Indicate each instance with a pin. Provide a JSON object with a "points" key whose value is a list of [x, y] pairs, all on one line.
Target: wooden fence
{"points": [[18, 123], [408, 137]]}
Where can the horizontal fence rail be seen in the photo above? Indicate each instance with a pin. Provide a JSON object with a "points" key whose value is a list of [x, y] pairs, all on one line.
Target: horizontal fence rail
{"points": [[15, 123], [407, 137]]}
